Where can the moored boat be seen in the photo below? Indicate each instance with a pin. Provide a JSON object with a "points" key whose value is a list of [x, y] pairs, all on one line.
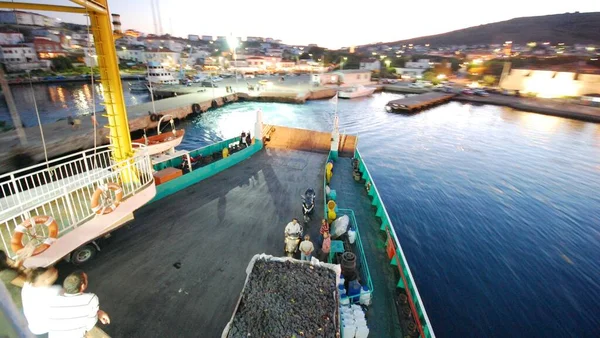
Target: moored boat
{"points": [[162, 142], [355, 91]]}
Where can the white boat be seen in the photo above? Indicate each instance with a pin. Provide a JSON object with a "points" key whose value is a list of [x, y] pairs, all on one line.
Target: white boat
{"points": [[157, 74], [354, 92], [162, 142]]}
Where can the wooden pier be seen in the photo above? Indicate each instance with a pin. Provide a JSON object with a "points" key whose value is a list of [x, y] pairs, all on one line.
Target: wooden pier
{"points": [[416, 103]]}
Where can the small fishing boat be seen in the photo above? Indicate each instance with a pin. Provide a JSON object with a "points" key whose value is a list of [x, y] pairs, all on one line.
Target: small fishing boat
{"points": [[161, 142], [138, 87], [354, 92]]}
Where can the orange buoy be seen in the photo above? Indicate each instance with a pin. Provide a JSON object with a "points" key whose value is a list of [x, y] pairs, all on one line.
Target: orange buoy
{"points": [[16, 242], [106, 209]]}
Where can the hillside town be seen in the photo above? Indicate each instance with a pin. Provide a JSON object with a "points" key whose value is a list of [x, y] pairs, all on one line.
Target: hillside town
{"points": [[48, 46]]}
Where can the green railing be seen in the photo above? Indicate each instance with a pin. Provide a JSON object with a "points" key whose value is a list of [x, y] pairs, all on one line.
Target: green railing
{"points": [[204, 151], [364, 267], [365, 274], [206, 171], [395, 253]]}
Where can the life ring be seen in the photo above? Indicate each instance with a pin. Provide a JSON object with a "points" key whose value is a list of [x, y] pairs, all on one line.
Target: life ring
{"points": [[16, 242], [196, 109], [214, 104], [154, 117], [102, 209]]}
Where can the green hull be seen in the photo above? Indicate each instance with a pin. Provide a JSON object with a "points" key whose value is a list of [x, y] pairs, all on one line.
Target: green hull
{"points": [[202, 173]]}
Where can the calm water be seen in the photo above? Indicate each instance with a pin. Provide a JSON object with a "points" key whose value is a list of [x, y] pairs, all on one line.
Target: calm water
{"points": [[56, 101], [497, 210]]}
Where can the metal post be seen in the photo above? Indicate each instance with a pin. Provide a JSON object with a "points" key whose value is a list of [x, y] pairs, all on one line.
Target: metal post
{"points": [[111, 82], [12, 108]]}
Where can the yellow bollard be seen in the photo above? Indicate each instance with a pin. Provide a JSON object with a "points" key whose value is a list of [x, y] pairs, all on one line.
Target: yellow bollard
{"points": [[328, 171], [225, 152], [331, 215]]}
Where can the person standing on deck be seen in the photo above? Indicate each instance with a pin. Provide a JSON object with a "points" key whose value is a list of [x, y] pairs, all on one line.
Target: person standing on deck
{"points": [[74, 313], [12, 278], [293, 227], [326, 248], [37, 294], [324, 229], [306, 249]]}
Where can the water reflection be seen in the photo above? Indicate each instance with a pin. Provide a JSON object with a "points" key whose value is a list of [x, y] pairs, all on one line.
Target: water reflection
{"points": [[57, 101], [497, 210]]}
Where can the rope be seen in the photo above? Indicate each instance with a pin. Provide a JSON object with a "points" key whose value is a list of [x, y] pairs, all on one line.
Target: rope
{"points": [[94, 121], [37, 113]]}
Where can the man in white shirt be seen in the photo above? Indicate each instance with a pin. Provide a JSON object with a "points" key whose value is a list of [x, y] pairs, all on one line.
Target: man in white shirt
{"points": [[74, 313], [36, 295], [293, 227]]}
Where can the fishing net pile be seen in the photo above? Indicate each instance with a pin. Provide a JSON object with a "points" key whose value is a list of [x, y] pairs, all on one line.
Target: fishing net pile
{"points": [[287, 299]]}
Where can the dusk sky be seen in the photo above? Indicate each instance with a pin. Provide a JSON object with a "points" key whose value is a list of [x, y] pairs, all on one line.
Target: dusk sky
{"points": [[331, 24]]}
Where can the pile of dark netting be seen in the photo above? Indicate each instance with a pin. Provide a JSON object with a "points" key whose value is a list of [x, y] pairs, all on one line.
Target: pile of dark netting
{"points": [[284, 299]]}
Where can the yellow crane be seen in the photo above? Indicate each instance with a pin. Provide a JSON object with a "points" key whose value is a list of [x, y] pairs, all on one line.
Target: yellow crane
{"points": [[104, 40]]}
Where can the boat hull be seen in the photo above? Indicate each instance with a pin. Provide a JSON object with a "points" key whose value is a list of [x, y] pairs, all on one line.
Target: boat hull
{"points": [[160, 143], [355, 94]]}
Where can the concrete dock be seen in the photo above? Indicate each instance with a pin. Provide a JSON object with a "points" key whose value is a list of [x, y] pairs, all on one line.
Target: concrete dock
{"points": [[62, 139], [415, 103]]}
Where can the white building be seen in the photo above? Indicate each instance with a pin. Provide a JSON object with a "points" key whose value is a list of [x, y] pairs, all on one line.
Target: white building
{"points": [[17, 54], [207, 37], [276, 52], [414, 69], [133, 55], [345, 77], [20, 58], [165, 57], [89, 56], [370, 64], [26, 18], [193, 37], [8, 38]]}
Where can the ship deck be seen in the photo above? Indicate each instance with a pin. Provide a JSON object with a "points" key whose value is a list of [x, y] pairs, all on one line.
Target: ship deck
{"points": [[382, 317], [178, 269]]}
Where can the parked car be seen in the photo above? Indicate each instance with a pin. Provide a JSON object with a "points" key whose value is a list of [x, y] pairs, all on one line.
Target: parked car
{"points": [[480, 92], [209, 84], [467, 91], [216, 78]]}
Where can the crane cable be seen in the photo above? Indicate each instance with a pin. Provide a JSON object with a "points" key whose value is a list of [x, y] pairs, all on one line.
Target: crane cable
{"points": [[94, 121]]}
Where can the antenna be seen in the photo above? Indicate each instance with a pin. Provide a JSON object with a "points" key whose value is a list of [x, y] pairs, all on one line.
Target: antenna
{"points": [[154, 16], [160, 27]]}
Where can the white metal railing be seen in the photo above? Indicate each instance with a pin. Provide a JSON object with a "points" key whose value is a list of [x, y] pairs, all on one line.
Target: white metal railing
{"points": [[64, 191]]}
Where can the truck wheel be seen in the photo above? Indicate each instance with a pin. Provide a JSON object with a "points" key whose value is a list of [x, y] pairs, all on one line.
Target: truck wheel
{"points": [[83, 254]]}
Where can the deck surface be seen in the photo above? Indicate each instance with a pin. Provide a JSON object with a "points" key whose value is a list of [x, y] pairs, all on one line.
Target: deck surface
{"points": [[422, 99], [382, 316], [212, 229]]}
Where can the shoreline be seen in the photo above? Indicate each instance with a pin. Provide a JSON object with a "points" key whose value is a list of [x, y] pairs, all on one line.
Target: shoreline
{"points": [[61, 139]]}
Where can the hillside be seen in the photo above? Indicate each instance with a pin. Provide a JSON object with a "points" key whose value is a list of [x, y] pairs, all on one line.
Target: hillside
{"points": [[568, 28]]}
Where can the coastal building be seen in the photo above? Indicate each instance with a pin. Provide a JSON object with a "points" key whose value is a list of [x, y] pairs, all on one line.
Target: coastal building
{"points": [[131, 54], [414, 69], [347, 77], [207, 37], [11, 38], [46, 48], [26, 19], [164, 56], [133, 33], [551, 84], [193, 37], [275, 52], [370, 64], [21, 57], [254, 39]]}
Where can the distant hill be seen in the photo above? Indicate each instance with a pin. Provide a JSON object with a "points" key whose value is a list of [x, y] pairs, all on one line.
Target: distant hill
{"points": [[568, 28]]}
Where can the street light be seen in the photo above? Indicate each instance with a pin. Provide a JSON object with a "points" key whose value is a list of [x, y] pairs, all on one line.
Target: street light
{"points": [[233, 44]]}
